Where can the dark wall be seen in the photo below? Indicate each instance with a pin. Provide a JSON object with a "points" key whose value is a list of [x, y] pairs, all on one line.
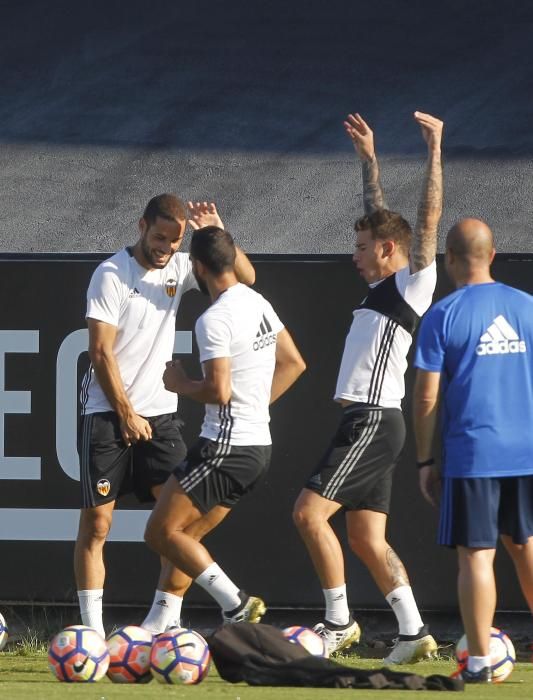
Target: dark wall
{"points": [[257, 545], [108, 102]]}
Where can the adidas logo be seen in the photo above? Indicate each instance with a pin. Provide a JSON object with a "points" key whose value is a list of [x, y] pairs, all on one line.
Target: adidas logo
{"points": [[500, 338], [339, 597], [393, 601], [264, 334], [163, 603], [212, 579], [134, 293]]}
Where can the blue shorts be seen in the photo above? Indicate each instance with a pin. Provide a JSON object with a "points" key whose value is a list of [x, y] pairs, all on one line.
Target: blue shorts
{"points": [[474, 512]]}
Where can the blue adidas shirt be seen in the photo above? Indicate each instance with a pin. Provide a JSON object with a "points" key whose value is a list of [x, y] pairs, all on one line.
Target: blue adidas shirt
{"points": [[481, 339]]}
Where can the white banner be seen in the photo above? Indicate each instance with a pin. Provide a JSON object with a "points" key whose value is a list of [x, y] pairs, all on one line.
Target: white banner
{"points": [[61, 524]]}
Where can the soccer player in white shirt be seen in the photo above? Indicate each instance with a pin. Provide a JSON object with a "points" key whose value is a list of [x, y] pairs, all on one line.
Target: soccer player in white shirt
{"points": [[355, 474], [248, 361], [130, 437]]}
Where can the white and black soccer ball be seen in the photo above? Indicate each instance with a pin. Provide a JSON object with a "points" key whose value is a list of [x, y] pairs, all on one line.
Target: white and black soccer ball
{"points": [[502, 654], [3, 632]]}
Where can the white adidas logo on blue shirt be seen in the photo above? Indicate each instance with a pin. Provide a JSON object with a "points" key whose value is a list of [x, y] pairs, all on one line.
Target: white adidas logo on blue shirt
{"points": [[500, 338]]}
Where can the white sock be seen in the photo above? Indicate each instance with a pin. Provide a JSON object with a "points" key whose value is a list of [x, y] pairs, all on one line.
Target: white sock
{"points": [[336, 605], [164, 613], [402, 602], [217, 584], [91, 609], [476, 663]]}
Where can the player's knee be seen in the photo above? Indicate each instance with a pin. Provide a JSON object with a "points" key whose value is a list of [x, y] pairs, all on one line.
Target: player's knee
{"points": [[94, 528], [156, 534], [304, 519]]}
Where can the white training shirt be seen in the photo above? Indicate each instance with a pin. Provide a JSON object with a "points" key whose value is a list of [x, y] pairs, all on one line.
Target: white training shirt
{"points": [[241, 325], [373, 364], [142, 304]]}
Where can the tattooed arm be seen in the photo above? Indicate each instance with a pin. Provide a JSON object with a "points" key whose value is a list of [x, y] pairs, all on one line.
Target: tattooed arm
{"points": [[424, 247], [363, 141]]}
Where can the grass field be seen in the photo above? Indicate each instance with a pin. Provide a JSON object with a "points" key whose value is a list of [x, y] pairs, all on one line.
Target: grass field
{"points": [[27, 676]]}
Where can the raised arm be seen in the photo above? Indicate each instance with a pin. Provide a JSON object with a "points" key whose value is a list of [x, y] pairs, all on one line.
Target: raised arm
{"points": [[424, 247], [205, 214], [363, 141]]}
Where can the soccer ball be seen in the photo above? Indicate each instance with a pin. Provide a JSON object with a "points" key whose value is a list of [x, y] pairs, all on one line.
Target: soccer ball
{"points": [[502, 654], [304, 636], [180, 656], [78, 653], [3, 632], [129, 651]]}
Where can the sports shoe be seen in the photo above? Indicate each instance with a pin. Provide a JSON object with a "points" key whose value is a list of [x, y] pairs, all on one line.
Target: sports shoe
{"points": [[251, 609], [338, 637], [483, 676], [410, 648]]}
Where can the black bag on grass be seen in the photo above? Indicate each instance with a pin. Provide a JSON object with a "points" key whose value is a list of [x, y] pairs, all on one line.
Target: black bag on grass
{"points": [[260, 655]]}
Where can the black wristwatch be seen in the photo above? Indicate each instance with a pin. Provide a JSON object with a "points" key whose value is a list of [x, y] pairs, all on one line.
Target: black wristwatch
{"points": [[426, 463]]}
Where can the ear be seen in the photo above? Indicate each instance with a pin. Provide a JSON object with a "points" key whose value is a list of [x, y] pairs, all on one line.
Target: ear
{"points": [[143, 226], [200, 268], [388, 248], [492, 254]]}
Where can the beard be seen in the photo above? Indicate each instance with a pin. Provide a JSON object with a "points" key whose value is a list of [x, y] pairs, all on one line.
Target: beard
{"points": [[201, 284], [150, 256]]}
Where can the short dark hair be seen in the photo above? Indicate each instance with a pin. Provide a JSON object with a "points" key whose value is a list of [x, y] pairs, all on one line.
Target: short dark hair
{"points": [[214, 248], [386, 225], [167, 206]]}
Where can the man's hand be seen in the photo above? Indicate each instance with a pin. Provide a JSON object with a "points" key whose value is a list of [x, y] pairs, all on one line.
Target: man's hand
{"points": [[361, 135], [135, 428], [429, 480], [431, 129], [174, 377], [204, 214]]}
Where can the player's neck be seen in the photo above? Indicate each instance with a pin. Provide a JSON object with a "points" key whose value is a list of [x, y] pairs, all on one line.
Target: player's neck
{"points": [[394, 264], [473, 277], [218, 285]]}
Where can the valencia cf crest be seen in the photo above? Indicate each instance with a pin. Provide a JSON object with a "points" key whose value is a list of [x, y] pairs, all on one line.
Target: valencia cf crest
{"points": [[103, 487], [170, 287]]}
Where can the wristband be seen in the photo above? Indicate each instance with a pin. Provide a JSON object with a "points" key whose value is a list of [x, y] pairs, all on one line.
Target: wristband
{"points": [[426, 463]]}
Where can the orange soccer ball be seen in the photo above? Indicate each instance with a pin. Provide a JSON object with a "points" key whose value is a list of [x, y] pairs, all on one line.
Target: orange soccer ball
{"points": [[129, 650]]}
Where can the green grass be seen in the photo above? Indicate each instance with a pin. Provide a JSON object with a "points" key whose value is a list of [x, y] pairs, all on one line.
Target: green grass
{"points": [[27, 676]]}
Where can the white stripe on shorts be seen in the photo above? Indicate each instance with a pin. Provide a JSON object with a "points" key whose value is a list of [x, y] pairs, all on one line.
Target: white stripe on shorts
{"points": [[353, 455], [223, 449], [85, 457]]}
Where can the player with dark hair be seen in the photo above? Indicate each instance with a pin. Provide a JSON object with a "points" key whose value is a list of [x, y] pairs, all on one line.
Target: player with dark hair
{"points": [[356, 471], [130, 438], [248, 361], [474, 347]]}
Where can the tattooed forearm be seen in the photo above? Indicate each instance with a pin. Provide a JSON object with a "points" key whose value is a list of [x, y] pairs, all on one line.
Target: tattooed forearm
{"points": [[372, 193], [424, 246], [397, 570]]}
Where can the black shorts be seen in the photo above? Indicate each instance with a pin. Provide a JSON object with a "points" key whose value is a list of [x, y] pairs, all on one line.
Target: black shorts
{"points": [[474, 512], [109, 469], [357, 468], [215, 474]]}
